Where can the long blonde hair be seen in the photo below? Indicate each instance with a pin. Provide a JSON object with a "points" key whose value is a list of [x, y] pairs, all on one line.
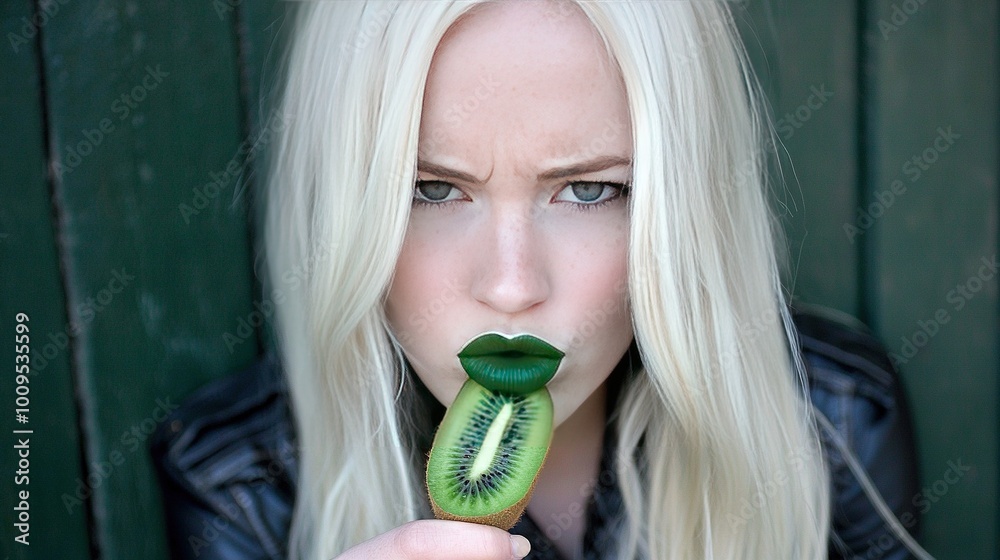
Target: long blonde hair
{"points": [[717, 454]]}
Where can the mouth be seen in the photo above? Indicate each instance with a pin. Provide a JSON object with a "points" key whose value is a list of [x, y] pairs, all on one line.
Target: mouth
{"points": [[519, 365]]}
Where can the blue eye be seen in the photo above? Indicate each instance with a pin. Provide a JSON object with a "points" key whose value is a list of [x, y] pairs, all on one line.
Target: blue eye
{"points": [[593, 194], [587, 192], [589, 195], [432, 193]]}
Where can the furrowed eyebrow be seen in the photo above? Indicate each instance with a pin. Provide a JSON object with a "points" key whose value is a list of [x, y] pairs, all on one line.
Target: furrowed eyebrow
{"points": [[597, 164], [446, 172]]}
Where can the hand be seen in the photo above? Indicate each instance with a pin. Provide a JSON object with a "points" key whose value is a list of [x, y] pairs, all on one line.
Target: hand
{"points": [[433, 539]]}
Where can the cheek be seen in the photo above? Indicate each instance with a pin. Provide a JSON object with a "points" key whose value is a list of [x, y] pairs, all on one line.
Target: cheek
{"points": [[409, 282], [595, 262], [424, 288], [595, 282], [420, 309]]}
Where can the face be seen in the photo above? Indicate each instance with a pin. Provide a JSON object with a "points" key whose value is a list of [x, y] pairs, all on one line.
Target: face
{"points": [[519, 221]]}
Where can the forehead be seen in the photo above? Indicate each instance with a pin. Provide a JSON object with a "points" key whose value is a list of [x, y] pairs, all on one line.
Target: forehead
{"points": [[526, 74]]}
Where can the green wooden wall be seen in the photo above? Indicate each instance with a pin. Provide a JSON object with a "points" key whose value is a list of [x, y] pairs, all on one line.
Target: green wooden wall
{"points": [[889, 113], [127, 231]]}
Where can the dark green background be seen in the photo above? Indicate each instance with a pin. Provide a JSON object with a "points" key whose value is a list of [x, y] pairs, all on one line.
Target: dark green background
{"points": [[117, 352]]}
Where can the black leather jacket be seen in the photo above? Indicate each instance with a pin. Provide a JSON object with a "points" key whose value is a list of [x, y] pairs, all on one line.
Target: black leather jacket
{"points": [[226, 458]]}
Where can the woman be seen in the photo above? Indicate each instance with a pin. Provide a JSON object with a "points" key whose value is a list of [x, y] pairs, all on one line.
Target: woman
{"points": [[589, 173]]}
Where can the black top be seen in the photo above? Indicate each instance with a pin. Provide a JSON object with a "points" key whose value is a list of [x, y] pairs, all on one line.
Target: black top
{"points": [[227, 465]]}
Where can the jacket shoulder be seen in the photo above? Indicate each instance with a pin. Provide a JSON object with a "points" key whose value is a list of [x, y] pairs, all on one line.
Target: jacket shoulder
{"points": [[854, 385], [224, 428], [226, 464], [834, 343]]}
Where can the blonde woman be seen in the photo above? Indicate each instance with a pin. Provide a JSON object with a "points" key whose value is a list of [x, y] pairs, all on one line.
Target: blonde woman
{"points": [[587, 173]]}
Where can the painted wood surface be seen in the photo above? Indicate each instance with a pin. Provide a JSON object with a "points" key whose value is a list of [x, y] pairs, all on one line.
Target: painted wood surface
{"points": [[130, 227]]}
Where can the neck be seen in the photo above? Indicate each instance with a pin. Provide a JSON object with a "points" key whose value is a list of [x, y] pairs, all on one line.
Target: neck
{"points": [[562, 492], [581, 433]]}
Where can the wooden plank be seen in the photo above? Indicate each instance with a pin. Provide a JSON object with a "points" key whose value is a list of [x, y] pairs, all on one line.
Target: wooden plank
{"points": [[933, 128], [31, 283], [264, 32], [145, 130], [805, 56]]}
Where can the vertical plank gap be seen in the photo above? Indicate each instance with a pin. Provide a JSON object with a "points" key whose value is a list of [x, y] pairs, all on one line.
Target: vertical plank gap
{"points": [[57, 219], [867, 301], [996, 115]]}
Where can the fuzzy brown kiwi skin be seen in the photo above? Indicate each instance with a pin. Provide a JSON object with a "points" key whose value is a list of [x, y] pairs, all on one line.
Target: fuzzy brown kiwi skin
{"points": [[503, 519]]}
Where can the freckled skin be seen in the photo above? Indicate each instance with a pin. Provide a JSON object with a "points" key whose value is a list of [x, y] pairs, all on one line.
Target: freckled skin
{"points": [[514, 90]]}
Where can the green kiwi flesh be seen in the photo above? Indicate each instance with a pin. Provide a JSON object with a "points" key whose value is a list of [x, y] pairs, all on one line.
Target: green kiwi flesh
{"points": [[487, 453]]}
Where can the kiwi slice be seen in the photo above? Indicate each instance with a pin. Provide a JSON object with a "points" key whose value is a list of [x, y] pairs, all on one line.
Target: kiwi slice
{"points": [[487, 454]]}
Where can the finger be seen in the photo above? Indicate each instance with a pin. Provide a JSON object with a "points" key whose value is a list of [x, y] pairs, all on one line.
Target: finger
{"points": [[432, 539]]}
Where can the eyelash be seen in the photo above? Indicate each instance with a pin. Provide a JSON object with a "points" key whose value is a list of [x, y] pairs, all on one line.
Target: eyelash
{"points": [[623, 191]]}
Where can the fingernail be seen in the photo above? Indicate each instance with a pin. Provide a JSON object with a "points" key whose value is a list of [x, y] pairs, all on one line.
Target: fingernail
{"points": [[519, 546]]}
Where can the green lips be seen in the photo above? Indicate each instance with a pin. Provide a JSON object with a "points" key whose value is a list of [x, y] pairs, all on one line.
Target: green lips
{"points": [[515, 365]]}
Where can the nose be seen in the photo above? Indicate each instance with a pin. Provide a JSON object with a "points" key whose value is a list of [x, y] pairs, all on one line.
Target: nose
{"points": [[512, 269]]}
